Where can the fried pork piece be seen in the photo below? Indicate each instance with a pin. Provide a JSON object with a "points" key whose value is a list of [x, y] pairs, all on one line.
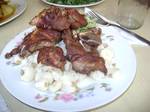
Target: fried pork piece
{"points": [[52, 56], [74, 48], [90, 39], [51, 18], [88, 63], [59, 19], [76, 19], [34, 41], [13, 52], [82, 61]]}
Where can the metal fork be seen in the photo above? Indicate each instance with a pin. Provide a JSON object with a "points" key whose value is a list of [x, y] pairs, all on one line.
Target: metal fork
{"points": [[105, 22]]}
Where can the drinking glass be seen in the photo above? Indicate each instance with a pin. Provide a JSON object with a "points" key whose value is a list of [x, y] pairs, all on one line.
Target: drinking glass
{"points": [[131, 13]]}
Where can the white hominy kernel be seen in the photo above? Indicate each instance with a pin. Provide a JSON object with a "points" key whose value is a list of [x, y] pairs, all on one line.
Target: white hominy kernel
{"points": [[28, 73], [107, 54], [85, 83], [56, 86], [42, 85]]}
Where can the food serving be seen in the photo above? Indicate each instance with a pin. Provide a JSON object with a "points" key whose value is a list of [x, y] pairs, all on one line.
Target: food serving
{"points": [[6, 9], [64, 52]]}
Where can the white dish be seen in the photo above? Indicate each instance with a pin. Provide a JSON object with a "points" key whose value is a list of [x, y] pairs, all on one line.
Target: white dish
{"points": [[81, 101], [75, 6], [20, 8]]}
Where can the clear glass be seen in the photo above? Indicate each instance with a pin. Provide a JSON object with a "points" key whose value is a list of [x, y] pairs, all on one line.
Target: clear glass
{"points": [[131, 13]]}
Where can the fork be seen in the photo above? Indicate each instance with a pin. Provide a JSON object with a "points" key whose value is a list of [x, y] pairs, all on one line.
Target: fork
{"points": [[103, 21]]}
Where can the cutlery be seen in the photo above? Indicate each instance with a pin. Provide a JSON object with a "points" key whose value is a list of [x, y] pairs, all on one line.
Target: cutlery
{"points": [[102, 21]]}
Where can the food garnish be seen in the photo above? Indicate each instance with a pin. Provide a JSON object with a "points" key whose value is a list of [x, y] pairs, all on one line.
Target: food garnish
{"points": [[72, 2]]}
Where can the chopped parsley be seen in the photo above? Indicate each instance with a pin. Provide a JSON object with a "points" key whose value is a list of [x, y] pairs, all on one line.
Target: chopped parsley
{"points": [[72, 2]]}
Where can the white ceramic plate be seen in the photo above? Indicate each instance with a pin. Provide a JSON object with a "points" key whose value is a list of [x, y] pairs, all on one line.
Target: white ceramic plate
{"points": [[85, 5], [83, 100], [20, 8]]}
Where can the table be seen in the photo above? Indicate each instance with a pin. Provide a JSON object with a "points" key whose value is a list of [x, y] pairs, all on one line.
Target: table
{"points": [[136, 99]]}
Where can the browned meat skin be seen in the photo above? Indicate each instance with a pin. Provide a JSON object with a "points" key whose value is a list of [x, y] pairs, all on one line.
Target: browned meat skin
{"points": [[18, 49], [42, 34], [52, 56], [91, 39], [88, 63], [51, 18], [28, 50], [73, 46], [59, 19], [76, 19], [34, 41], [13, 52], [82, 61]]}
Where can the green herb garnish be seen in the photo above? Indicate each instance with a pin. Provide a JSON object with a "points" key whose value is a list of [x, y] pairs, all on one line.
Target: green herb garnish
{"points": [[72, 2], [91, 24]]}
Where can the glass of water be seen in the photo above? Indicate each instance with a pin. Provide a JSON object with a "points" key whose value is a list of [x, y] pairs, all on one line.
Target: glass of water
{"points": [[131, 13]]}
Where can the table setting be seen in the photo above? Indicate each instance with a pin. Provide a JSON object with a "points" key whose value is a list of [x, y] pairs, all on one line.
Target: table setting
{"points": [[94, 75]]}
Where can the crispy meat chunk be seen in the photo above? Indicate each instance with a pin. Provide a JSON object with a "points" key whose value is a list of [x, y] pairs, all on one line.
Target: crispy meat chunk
{"points": [[13, 52], [87, 63], [52, 56], [59, 19], [42, 34], [82, 61], [40, 38], [74, 48], [90, 39], [51, 18], [76, 19], [34, 41], [31, 48]]}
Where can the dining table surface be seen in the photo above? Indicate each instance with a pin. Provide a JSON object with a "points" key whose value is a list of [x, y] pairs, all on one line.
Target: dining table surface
{"points": [[135, 99]]}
